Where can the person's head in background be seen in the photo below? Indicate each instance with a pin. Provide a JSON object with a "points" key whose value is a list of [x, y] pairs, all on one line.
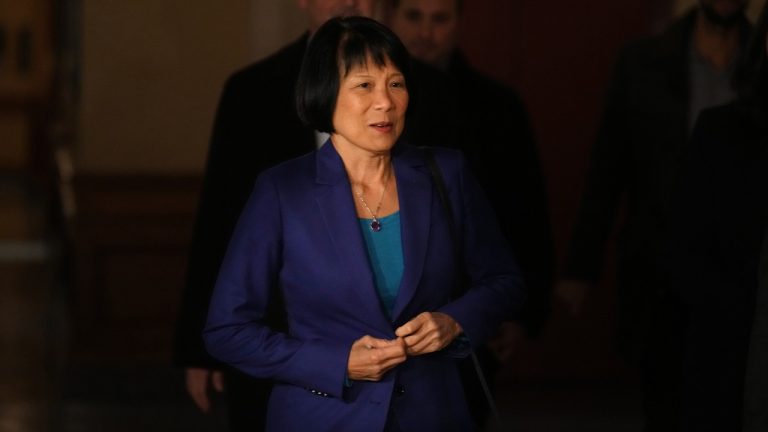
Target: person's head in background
{"points": [[428, 28], [320, 11], [724, 13]]}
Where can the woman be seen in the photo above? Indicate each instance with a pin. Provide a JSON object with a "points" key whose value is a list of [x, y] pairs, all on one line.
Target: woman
{"points": [[353, 237], [719, 233]]}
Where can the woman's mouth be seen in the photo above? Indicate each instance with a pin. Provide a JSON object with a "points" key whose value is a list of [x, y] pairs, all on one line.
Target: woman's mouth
{"points": [[382, 126]]}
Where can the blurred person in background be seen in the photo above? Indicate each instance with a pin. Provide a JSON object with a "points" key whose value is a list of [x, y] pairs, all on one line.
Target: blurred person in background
{"points": [[659, 86], [718, 256]]}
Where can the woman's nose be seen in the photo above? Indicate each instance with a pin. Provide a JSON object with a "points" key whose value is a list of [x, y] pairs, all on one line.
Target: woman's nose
{"points": [[383, 99]]}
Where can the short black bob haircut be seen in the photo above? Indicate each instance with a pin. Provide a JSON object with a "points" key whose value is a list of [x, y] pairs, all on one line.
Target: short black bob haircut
{"points": [[337, 46]]}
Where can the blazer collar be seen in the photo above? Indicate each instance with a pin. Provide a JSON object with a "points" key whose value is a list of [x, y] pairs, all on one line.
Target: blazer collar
{"points": [[330, 168], [414, 190], [337, 208]]}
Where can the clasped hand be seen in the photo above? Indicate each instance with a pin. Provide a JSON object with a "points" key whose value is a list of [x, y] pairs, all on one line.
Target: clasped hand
{"points": [[370, 358]]}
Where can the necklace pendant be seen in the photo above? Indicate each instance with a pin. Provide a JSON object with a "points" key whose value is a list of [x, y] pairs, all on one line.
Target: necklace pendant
{"points": [[375, 225]]}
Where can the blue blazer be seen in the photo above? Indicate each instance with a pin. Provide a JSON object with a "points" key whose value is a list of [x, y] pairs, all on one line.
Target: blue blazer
{"points": [[299, 234]]}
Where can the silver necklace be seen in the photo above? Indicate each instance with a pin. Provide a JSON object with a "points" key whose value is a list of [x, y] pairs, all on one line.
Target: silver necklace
{"points": [[375, 223]]}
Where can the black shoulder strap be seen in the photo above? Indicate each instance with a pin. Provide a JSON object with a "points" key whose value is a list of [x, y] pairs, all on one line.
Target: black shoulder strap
{"points": [[460, 285], [445, 201]]}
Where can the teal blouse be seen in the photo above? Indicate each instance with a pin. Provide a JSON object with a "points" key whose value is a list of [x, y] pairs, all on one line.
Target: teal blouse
{"points": [[385, 253]]}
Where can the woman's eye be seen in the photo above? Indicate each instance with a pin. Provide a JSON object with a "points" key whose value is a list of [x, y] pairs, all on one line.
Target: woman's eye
{"points": [[364, 85], [397, 84]]}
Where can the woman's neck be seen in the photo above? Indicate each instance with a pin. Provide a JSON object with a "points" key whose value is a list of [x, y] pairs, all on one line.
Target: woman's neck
{"points": [[366, 169]]}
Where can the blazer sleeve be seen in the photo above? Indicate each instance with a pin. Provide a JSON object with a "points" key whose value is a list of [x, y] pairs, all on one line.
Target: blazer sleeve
{"points": [[496, 292], [235, 332]]}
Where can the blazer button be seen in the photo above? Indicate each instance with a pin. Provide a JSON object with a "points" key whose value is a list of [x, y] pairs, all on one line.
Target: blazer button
{"points": [[399, 389]]}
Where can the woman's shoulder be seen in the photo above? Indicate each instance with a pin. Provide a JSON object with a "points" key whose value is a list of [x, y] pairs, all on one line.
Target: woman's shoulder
{"points": [[446, 157], [451, 161], [291, 170]]}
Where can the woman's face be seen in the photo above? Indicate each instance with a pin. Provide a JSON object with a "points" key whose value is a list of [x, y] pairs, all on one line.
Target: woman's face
{"points": [[370, 107]]}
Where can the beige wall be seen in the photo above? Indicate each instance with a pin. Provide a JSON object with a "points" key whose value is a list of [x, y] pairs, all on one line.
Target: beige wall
{"points": [[152, 72], [273, 23]]}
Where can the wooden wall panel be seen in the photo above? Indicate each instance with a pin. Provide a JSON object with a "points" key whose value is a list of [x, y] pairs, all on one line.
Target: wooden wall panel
{"points": [[131, 236], [26, 49], [15, 147], [27, 61]]}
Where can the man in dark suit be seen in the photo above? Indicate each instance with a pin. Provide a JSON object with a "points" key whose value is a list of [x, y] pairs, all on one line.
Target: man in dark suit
{"points": [[660, 84], [495, 135], [756, 377], [718, 253], [719, 219], [256, 127]]}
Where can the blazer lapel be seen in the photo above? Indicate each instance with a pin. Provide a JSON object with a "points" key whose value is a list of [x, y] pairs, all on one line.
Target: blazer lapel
{"points": [[414, 190], [337, 210]]}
